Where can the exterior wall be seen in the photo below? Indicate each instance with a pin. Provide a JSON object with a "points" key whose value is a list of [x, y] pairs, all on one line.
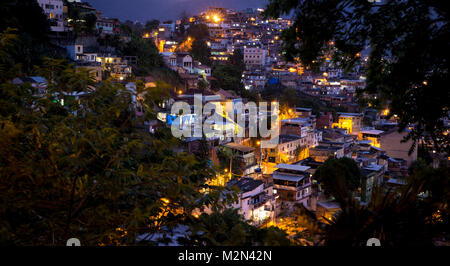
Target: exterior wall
{"points": [[299, 194], [106, 26], [54, 9], [255, 212], [351, 123], [320, 155], [325, 120], [255, 56], [391, 143]]}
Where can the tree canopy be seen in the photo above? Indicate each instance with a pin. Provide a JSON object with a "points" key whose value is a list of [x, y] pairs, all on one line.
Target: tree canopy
{"points": [[339, 173], [201, 52], [80, 167]]}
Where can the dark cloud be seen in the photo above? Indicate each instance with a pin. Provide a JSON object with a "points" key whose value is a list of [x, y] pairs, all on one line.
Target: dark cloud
{"points": [[144, 10]]}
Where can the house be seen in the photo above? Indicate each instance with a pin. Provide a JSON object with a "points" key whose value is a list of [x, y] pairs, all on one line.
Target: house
{"points": [[246, 157], [293, 184], [202, 70], [254, 56], [321, 153], [148, 81], [94, 69], [54, 9], [372, 176], [190, 81], [256, 201], [75, 51], [327, 209], [107, 26], [351, 122], [290, 149], [391, 143], [116, 66], [39, 83], [225, 95], [325, 120], [303, 112], [372, 135], [185, 61]]}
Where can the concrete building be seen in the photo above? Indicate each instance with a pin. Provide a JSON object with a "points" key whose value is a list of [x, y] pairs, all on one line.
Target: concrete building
{"points": [[256, 201], [245, 156], [390, 142], [350, 122], [321, 153], [254, 57], [293, 184], [54, 9]]}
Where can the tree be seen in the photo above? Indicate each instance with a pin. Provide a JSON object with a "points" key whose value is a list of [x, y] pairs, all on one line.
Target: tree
{"points": [[27, 21], [151, 25], [408, 61], [198, 31], [228, 228], [80, 167], [272, 91], [82, 23], [343, 173], [228, 78], [200, 51], [289, 97], [202, 85], [147, 54], [237, 60]]}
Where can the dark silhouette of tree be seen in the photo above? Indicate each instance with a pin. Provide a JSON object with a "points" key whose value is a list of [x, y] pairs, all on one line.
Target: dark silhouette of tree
{"points": [[228, 228], [228, 78], [198, 31], [200, 51], [151, 25], [81, 168], [343, 173]]}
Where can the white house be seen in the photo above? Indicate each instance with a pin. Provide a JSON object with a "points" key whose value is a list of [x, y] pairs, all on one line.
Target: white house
{"points": [[256, 203], [54, 11]]}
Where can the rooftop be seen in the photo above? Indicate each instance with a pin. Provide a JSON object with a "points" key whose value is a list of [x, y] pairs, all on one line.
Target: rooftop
{"points": [[287, 138], [245, 184], [328, 204], [294, 167], [239, 147], [349, 114], [287, 177], [372, 132], [324, 148]]}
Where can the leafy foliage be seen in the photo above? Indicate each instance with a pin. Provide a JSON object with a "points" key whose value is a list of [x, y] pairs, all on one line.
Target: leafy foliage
{"points": [[201, 52], [27, 21], [228, 228], [228, 78], [82, 169], [340, 173], [198, 31], [147, 54]]}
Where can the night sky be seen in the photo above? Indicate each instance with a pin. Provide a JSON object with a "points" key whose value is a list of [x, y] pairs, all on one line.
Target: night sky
{"points": [[144, 10]]}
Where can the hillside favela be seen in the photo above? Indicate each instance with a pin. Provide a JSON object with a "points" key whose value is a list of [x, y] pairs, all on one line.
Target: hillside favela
{"points": [[291, 123]]}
